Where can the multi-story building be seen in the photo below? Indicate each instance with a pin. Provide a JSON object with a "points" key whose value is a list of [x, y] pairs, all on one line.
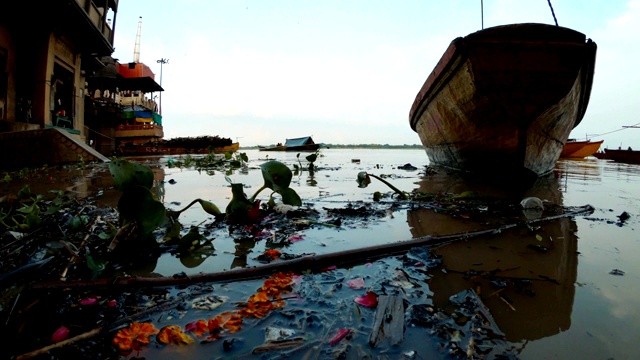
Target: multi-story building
{"points": [[48, 49]]}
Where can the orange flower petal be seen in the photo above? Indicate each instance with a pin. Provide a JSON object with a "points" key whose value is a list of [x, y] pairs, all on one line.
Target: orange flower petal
{"points": [[134, 337], [173, 334]]}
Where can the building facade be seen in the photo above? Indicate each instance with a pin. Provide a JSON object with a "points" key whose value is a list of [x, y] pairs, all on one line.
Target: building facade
{"points": [[48, 50]]}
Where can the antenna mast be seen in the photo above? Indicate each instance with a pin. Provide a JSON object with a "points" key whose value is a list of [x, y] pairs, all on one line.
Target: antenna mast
{"points": [[136, 50]]}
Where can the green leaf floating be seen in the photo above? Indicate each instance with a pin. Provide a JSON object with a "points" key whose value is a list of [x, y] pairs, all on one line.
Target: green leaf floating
{"points": [[290, 197], [137, 203], [277, 176], [126, 174]]}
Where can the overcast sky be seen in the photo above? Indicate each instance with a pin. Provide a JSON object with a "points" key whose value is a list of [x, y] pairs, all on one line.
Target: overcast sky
{"points": [[347, 71]]}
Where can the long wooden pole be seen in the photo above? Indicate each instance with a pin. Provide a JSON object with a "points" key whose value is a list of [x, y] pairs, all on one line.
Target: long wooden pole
{"points": [[310, 262]]}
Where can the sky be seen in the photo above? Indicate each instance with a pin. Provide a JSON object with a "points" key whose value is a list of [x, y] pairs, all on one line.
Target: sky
{"points": [[348, 71]]}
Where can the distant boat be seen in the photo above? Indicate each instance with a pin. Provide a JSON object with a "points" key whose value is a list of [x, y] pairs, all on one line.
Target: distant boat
{"points": [[600, 155], [574, 149], [504, 100], [628, 156], [158, 149], [298, 144]]}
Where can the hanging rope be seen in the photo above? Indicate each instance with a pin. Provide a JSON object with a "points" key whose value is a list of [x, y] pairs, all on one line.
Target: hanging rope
{"points": [[553, 13], [611, 132]]}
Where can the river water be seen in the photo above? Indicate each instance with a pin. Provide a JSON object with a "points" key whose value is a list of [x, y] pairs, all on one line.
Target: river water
{"points": [[583, 302]]}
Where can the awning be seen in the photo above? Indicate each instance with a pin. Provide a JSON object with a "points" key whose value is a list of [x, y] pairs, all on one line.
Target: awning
{"points": [[144, 84]]}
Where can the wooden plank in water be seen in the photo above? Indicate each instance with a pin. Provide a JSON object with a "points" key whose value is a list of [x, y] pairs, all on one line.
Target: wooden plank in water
{"points": [[388, 322]]}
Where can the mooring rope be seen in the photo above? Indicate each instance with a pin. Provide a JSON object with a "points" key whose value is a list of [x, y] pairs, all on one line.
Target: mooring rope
{"points": [[552, 12]]}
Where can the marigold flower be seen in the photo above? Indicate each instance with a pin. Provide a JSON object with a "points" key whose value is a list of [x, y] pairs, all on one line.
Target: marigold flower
{"points": [[134, 337]]}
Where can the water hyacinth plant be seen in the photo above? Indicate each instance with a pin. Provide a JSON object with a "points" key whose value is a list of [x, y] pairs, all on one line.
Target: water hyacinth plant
{"points": [[364, 179], [140, 213]]}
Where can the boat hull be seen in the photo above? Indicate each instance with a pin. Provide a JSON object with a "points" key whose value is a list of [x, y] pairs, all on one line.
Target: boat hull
{"points": [[310, 147], [580, 149], [504, 100], [623, 156]]}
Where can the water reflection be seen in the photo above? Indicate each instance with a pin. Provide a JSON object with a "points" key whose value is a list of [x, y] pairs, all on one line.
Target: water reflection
{"points": [[96, 181], [538, 297]]}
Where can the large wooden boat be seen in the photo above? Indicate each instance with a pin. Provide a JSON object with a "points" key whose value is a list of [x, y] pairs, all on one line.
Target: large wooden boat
{"points": [[504, 100], [298, 144], [574, 149]]}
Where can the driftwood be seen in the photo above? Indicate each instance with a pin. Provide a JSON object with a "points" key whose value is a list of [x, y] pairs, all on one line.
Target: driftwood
{"points": [[388, 322], [310, 262]]}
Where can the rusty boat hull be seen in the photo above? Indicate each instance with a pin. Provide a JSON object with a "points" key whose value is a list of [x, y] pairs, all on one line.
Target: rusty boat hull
{"points": [[504, 100]]}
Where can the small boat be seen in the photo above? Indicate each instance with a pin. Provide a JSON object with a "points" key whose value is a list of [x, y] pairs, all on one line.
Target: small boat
{"points": [[628, 156], [575, 149], [503, 100], [298, 144], [277, 147]]}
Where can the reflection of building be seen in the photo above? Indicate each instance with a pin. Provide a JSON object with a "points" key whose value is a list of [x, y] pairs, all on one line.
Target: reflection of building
{"points": [[506, 256], [47, 51]]}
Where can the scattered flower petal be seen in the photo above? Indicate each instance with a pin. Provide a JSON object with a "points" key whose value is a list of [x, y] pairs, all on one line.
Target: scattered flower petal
{"points": [[295, 238], [62, 333], [173, 334], [296, 279], [356, 284], [368, 300], [273, 254], [340, 334], [134, 337], [197, 327], [89, 301]]}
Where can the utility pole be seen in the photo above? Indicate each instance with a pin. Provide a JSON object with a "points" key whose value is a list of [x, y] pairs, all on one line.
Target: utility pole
{"points": [[482, 13], [161, 62]]}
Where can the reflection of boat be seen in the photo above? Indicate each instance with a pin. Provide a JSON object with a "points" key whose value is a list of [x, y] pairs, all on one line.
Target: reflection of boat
{"points": [[628, 156], [540, 303], [580, 149], [297, 144], [504, 99], [582, 169]]}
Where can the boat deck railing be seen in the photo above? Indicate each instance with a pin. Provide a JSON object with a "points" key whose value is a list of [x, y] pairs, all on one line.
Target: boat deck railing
{"points": [[139, 127]]}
